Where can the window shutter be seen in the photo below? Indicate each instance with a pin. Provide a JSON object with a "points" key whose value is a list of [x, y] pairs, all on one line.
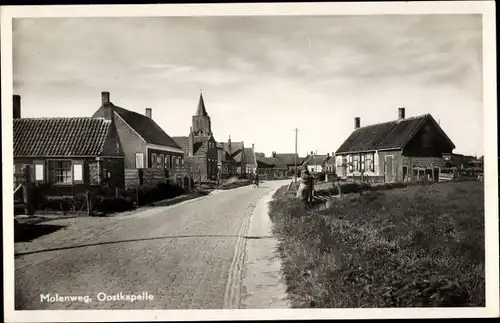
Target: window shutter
{"points": [[38, 173], [139, 160], [78, 173]]}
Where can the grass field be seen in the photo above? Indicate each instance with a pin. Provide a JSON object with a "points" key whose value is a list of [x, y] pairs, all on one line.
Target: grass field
{"points": [[409, 247]]}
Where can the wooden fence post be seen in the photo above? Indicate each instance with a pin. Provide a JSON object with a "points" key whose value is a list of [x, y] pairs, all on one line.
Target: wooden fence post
{"points": [[28, 192], [89, 203]]}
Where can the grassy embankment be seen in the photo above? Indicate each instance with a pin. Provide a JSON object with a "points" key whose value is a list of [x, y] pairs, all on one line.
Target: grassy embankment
{"points": [[405, 247]]}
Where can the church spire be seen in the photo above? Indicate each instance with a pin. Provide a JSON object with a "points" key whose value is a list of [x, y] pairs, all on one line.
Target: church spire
{"points": [[201, 111]]}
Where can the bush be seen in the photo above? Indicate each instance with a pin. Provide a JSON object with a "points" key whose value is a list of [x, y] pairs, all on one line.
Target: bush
{"points": [[159, 192], [112, 204], [61, 203], [418, 246]]}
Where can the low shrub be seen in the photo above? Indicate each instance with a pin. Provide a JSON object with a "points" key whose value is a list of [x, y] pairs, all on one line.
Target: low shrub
{"points": [[61, 203], [417, 246], [108, 205], [159, 192]]}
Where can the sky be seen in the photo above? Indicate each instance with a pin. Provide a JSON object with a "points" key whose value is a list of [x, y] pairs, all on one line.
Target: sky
{"points": [[261, 77]]}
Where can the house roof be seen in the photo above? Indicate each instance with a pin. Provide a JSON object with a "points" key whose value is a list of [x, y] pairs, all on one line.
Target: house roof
{"points": [[393, 134], [289, 159], [236, 149], [198, 142], [182, 142], [270, 162], [60, 136], [250, 156], [313, 160], [146, 127], [224, 155]]}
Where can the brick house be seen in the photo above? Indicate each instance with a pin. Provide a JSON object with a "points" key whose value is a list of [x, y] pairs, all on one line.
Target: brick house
{"points": [[289, 160], [68, 155], [145, 144], [395, 150], [319, 163], [271, 167], [251, 160], [200, 147]]}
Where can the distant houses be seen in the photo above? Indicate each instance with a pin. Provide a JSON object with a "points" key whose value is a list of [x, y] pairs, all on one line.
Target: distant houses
{"points": [[250, 160], [67, 156], [395, 150], [319, 163], [236, 152]]}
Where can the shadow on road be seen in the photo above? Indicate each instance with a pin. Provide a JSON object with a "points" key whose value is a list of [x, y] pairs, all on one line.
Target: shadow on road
{"points": [[26, 232], [137, 240]]}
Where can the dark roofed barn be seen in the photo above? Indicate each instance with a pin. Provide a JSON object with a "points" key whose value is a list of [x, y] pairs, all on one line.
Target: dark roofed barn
{"points": [[394, 150]]}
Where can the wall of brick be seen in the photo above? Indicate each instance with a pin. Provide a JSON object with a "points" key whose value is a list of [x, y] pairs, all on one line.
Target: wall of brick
{"points": [[131, 142]]}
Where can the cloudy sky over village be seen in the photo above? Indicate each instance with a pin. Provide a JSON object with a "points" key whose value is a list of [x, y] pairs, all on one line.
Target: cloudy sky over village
{"points": [[261, 76]]}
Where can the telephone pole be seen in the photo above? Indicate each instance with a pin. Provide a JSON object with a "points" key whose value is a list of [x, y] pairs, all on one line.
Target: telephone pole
{"points": [[295, 156]]}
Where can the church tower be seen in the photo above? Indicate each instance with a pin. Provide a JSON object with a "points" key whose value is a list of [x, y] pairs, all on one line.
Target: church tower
{"points": [[201, 121]]}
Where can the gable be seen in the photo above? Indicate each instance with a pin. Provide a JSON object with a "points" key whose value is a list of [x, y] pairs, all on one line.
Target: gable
{"points": [[146, 127]]}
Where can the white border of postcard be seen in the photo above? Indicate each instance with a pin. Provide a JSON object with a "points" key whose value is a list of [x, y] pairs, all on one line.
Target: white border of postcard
{"points": [[486, 8]]}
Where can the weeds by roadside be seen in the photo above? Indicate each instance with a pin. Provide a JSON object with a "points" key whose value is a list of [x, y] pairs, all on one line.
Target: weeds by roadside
{"points": [[406, 247]]}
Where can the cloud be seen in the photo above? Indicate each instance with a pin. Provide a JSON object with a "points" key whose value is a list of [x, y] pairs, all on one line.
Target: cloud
{"points": [[316, 70]]}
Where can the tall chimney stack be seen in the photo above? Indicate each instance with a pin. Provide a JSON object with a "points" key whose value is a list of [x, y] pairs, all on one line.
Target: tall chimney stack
{"points": [[105, 97], [148, 112], [357, 123], [401, 113], [253, 147], [16, 113]]}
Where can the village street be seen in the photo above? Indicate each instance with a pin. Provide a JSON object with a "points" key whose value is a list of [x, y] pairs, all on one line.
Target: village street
{"points": [[213, 252]]}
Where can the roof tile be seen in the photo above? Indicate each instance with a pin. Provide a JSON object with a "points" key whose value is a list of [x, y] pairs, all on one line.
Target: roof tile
{"points": [[59, 136]]}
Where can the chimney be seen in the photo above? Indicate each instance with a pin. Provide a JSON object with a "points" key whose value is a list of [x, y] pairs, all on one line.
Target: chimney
{"points": [[401, 113], [253, 147], [107, 106], [312, 152], [16, 113], [148, 112], [229, 144], [274, 154], [105, 97], [357, 122]]}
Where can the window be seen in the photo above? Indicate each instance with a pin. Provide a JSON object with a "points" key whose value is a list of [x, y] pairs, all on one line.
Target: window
{"points": [[160, 160], [182, 162], [139, 160], [153, 161], [78, 172], [356, 162], [166, 163], [60, 171], [351, 163], [369, 162], [39, 171], [362, 162]]}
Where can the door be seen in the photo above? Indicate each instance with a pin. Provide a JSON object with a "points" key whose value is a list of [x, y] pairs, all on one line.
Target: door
{"points": [[389, 169]]}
